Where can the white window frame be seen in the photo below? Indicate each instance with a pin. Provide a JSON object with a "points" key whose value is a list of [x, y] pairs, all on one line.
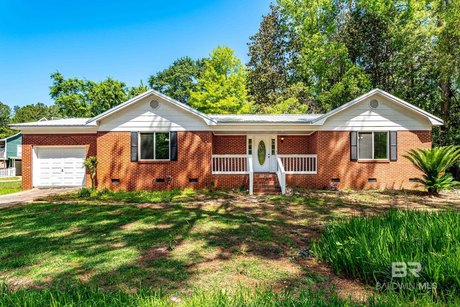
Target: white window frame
{"points": [[374, 159], [274, 141], [251, 137], [247, 145], [154, 145]]}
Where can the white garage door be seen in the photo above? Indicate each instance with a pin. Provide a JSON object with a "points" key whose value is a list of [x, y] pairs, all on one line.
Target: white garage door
{"points": [[59, 166]]}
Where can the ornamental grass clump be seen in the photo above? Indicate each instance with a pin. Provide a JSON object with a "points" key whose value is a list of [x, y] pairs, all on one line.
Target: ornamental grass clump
{"points": [[366, 248]]}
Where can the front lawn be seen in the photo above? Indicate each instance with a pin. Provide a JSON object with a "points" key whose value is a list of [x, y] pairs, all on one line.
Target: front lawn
{"points": [[8, 187], [181, 242], [165, 196], [171, 247]]}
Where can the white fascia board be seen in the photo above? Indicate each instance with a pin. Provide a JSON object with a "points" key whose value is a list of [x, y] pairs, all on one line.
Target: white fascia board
{"points": [[59, 130], [138, 98]]}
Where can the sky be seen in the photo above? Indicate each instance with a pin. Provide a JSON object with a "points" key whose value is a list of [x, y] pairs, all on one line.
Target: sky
{"points": [[126, 40]]}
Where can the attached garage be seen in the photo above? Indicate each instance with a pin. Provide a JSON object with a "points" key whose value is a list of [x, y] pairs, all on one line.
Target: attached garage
{"points": [[59, 166]]}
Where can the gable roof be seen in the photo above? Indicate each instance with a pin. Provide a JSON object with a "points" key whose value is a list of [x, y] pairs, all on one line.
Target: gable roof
{"points": [[138, 98], [435, 121], [229, 119]]}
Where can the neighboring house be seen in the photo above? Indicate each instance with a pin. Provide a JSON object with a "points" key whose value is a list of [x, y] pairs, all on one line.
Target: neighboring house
{"points": [[155, 142], [11, 152]]}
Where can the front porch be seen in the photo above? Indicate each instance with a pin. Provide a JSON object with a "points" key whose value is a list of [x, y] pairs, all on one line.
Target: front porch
{"points": [[255, 154]]}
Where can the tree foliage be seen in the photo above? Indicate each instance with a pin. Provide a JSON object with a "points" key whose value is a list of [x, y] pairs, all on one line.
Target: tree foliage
{"points": [[105, 95], [137, 90], [408, 48], [34, 112], [84, 98], [221, 87], [273, 83], [71, 95], [5, 114], [179, 79]]}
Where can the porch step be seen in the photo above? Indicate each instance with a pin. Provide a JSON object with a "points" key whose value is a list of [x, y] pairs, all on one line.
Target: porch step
{"points": [[266, 183]]}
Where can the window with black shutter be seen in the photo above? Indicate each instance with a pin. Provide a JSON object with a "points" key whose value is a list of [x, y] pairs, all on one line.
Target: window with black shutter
{"points": [[154, 146]]}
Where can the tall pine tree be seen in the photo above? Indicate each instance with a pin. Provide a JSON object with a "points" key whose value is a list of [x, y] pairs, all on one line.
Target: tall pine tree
{"points": [[272, 81]]}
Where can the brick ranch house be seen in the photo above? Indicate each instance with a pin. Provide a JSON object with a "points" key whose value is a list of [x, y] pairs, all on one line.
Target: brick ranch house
{"points": [[155, 142]]}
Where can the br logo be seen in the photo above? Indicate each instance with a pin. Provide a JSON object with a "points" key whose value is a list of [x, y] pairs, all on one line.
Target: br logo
{"points": [[400, 269]]}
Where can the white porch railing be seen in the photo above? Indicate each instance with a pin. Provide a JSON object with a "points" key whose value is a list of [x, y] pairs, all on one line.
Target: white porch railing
{"points": [[7, 172], [229, 164], [234, 164], [299, 164], [281, 174]]}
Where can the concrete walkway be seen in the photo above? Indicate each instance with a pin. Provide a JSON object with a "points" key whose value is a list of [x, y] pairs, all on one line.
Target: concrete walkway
{"points": [[30, 195]]}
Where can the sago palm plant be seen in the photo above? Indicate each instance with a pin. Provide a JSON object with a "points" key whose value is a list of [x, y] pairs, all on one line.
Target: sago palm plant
{"points": [[433, 163]]}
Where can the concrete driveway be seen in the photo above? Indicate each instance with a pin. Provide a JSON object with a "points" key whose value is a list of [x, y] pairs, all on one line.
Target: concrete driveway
{"points": [[30, 195]]}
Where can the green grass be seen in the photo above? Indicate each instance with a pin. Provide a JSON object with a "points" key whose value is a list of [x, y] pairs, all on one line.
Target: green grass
{"points": [[142, 196], [365, 247], [86, 296], [241, 297], [124, 246], [10, 187]]}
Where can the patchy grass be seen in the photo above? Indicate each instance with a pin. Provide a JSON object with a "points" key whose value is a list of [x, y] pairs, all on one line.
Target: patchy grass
{"points": [[9, 187], [366, 247], [166, 196], [178, 241], [169, 247]]}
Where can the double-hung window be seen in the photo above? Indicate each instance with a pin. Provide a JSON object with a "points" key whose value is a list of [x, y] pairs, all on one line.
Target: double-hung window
{"points": [[154, 146], [373, 145]]}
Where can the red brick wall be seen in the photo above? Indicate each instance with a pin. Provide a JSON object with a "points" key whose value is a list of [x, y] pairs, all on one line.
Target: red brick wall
{"points": [[334, 162], [297, 144], [194, 161], [229, 144], [230, 181], [30, 140]]}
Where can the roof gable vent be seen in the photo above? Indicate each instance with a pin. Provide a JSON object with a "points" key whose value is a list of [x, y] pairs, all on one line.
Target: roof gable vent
{"points": [[154, 104], [374, 104]]}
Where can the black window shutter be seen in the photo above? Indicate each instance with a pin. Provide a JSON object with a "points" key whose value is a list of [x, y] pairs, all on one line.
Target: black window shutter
{"points": [[173, 145], [353, 145], [134, 145], [393, 145]]}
